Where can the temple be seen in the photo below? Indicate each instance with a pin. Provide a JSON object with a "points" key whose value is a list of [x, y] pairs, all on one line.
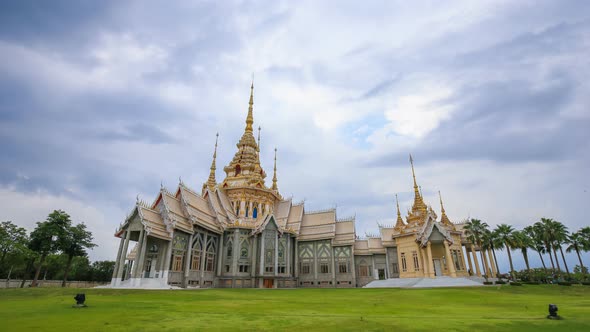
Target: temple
{"points": [[241, 233]]}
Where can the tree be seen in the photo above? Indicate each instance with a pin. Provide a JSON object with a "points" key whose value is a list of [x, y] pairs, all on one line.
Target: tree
{"points": [[577, 243], [75, 242], [47, 236], [543, 228], [475, 230], [13, 242], [102, 270], [504, 232], [536, 243], [522, 241]]}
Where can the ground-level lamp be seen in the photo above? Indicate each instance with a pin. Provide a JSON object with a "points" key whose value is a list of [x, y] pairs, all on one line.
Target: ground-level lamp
{"points": [[553, 312]]}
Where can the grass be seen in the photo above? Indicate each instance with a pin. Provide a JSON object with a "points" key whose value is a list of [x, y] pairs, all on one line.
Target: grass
{"points": [[496, 308]]}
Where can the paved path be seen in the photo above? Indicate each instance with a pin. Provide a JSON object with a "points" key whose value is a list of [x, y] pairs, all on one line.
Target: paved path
{"points": [[423, 282]]}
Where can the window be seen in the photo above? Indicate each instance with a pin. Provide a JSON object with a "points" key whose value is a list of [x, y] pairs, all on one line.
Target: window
{"points": [[282, 269], [210, 258], [404, 264], [343, 266], [416, 262], [395, 268], [238, 209], [269, 269], [305, 268], [196, 260], [255, 213], [456, 260], [177, 263], [247, 209], [244, 268], [229, 249], [324, 267], [227, 268]]}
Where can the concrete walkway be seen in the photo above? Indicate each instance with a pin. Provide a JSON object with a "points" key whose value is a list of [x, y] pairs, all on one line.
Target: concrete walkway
{"points": [[424, 282]]}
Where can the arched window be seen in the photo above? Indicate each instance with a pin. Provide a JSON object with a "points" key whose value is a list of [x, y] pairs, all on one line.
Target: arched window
{"points": [[210, 260], [247, 209], [238, 169], [255, 213], [238, 208]]}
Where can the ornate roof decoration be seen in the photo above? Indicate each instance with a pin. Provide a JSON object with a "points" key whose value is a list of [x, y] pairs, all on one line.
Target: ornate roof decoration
{"points": [[244, 170], [399, 224], [211, 182], [443, 218], [274, 177]]}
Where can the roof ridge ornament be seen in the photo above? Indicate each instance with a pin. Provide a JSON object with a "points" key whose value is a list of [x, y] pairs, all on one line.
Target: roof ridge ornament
{"points": [[274, 177], [211, 182]]}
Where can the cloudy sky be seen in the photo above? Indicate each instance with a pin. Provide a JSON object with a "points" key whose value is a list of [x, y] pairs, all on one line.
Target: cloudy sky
{"points": [[104, 100]]}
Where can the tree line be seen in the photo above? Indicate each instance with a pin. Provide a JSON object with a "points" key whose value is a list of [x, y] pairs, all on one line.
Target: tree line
{"points": [[56, 246], [546, 237]]}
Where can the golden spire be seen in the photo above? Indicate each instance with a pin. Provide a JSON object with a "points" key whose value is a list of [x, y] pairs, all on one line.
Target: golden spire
{"points": [[418, 201], [250, 118], [211, 182], [399, 223], [443, 218], [274, 177]]}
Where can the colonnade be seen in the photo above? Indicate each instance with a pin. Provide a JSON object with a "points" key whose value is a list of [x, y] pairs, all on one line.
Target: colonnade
{"points": [[486, 258]]}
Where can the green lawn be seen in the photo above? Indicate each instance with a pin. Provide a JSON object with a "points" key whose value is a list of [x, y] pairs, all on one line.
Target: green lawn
{"points": [[506, 308]]}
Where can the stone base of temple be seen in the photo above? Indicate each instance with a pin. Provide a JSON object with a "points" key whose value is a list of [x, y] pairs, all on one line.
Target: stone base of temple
{"points": [[140, 283], [423, 282]]}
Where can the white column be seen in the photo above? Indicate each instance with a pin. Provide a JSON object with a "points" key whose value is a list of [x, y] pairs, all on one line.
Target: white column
{"points": [[123, 256], [253, 257], [387, 263], [117, 262], [276, 268], [296, 258], [136, 267]]}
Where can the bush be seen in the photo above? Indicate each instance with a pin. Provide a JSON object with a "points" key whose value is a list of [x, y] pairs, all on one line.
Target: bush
{"points": [[586, 283], [564, 283], [488, 283], [500, 282], [531, 283], [515, 283]]}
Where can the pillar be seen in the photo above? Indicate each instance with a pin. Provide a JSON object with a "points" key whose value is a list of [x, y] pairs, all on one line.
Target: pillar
{"points": [[220, 255], [123, 256], [276, 267], [187, 264], [387, 263], [296, 258], [204, 258], [451, 263], [462, 257], [141, 258], [262, 253], [468, 254], [485, 262], [117, 266], [492, 265], [136, 266], [478, 271], [236, 249], [425, 266], [253, 258], [429, 256]]}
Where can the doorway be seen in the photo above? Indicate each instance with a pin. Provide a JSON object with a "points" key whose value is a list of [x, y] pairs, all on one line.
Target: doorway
{"points": [[437, 267], [268, 283], [381, 274]]}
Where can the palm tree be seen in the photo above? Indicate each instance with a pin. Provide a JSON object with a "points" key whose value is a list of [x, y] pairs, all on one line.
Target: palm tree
{"points": [[504, 232], [522, 241], [544, 228], [576, 242], [559, 234], [536, 243], [475, 230]]}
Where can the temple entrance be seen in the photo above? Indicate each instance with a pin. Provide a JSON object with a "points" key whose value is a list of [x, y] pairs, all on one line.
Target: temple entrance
{"points": [[268, 283], [437, 268], [381, 274]]}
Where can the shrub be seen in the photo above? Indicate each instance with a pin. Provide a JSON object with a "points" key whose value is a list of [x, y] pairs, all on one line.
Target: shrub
{"points": [[564, 283], [515, 283], [500, 282], [488, 283]]}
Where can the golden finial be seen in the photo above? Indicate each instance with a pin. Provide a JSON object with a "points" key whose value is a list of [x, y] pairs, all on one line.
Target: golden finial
{"points": [[413, 173], [399, 222], [212, 182], [258, 147], [274, 177], [442, 208], [250, 118]]}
